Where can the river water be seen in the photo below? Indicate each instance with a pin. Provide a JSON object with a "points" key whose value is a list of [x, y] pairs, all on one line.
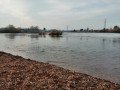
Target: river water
{"points": [[96, 54]]}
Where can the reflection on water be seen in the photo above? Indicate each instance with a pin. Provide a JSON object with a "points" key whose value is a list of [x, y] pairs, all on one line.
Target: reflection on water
{"points": [[11, 35], [96, 54], [56, 37]]}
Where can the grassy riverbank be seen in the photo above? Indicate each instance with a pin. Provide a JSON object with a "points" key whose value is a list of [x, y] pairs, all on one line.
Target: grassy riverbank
{"points": [[19, 73]]}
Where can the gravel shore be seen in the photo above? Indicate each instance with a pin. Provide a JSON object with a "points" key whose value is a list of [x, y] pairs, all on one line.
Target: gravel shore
{"points": [[25, 74]]}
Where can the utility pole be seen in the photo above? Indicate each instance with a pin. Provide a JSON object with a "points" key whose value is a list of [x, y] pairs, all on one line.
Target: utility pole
{"points": [[67, 27], [105, 24]]}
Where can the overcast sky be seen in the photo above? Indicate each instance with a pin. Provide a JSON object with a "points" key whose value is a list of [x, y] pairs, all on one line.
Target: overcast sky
{"points": [[60, 13]]}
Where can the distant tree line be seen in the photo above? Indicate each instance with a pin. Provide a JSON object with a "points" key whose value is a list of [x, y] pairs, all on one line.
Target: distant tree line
{"points": [[13, 29], [10, 29], [116, 29]]}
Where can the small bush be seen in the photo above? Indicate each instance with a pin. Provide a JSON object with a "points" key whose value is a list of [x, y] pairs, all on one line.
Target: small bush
{"points": [[55, 32]]}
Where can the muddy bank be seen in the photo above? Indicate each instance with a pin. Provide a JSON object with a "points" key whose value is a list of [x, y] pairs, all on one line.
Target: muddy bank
{"points": [[19, 73]]}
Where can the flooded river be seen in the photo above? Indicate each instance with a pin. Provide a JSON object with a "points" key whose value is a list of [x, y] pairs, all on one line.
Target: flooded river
{"points": [[96, 54]]}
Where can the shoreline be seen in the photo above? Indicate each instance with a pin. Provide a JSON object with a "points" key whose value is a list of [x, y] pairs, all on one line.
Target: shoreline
{"points": [[18, 72]]}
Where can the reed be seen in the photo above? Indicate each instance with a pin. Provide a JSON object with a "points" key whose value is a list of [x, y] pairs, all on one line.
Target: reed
{"points": [[42, 33]]}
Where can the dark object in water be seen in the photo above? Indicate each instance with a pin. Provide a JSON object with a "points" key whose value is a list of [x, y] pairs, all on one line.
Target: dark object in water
{"points": [[55, 32]]}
